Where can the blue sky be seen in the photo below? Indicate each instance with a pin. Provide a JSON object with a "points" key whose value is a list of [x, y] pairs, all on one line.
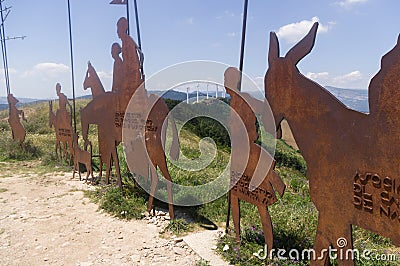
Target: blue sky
{"points": [[353, 36]]}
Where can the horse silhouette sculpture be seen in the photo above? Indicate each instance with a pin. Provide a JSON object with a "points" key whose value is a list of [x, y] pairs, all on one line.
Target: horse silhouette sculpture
{"points": [[352, 158], [252, 177], [18, 130], [107, 110], [93, 82], [63, 132]]}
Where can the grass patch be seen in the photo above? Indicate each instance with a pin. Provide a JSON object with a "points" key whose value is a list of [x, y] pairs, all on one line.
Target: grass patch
{"points": [[127, 205], [178, 227], [2, 190]]}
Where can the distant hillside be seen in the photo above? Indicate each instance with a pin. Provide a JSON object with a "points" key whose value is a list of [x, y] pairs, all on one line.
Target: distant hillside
{"points": [[352, 98], [177, 95]]}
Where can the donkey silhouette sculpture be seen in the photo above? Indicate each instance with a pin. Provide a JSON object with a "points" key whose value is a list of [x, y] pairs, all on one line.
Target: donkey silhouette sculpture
{"points": [[352, 158], [17, 129]]}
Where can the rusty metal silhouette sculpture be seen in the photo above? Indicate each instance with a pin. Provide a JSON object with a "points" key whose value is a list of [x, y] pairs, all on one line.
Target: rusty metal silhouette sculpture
{"points": [[84, 157], [108, 110], [62, 123], [17, 129], [93, 82], [254, 184], [352, 158]]}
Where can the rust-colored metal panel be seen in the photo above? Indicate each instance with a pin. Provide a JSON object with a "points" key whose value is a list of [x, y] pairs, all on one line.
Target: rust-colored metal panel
{"points": [[62, 123], [17, 129], [108, 110], [352, 158], [82, 156], [250, 180]]}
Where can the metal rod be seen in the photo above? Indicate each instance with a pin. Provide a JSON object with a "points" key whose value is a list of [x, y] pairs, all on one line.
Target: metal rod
{"points": [[127, 13], [244, 25], [72, 63], [137, 25], [139, 38], [4, 51]]}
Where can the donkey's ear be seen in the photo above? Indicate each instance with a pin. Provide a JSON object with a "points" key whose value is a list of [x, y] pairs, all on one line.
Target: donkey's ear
{"points": [[273, 53], [303, 47]]}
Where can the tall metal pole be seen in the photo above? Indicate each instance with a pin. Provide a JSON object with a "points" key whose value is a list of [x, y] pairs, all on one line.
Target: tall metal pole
{"points": [[72, 63], [137, 25], [4, 50], [127, 13], [244, 26], [139, 38]]}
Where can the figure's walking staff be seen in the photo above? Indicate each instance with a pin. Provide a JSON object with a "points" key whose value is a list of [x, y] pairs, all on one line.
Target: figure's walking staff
{"points": [[244, 26], [72, 63]]}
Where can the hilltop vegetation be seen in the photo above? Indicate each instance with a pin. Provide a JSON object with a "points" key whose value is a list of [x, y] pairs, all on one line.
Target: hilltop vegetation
{"points": [[294, 216]]}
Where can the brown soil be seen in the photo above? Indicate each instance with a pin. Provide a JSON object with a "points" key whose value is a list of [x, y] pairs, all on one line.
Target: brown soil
{"points": [[46, 220]]}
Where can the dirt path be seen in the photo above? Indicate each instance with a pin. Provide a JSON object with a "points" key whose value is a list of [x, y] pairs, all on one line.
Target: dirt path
{"points": [[46, 220]]}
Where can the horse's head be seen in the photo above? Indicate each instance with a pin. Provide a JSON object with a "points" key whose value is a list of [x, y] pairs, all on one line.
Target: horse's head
{"points": [[87, 83], [12, 100], [282, 75]]}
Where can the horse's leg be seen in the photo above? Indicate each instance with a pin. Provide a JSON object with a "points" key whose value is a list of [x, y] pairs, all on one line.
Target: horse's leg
{"points": [[108, 167], [321, 244], [153, 186], [165, 172], [73, 173], [57, 147], [116, 164], [235, 205], [267, 226], [70, 151]]}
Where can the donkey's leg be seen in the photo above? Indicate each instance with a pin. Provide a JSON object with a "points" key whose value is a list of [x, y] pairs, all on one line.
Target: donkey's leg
{"points": [[164, 170], [153, 186], [235, 205], [343, 242], [321, 243], [267, 226]]}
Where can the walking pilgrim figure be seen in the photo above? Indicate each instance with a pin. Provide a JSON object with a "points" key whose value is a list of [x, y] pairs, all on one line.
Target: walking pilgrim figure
{"points": [[62, 123], [253, 178], [17, 129]]}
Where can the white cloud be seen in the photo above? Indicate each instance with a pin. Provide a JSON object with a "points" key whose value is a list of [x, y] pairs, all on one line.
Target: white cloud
{"points": [[350, 77], [293, 32], [189, 21], [318, 76], [354, 79], [350, 3], [47, 69], [232, 34], [104, 75], [226, 14]]}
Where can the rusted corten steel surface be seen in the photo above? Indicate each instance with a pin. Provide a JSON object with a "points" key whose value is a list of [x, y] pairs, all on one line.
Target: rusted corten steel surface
{"points": [[62, 123], [252, 175], [17, 129], [108, 110], [352, 158]]}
